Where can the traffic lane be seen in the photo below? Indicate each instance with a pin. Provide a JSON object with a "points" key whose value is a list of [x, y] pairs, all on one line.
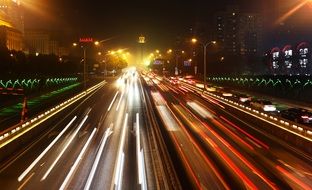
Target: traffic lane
{"points": [[277, 151], [54, 178], [127, 106], [107, 120], [104, 174], [234, 165], [18, 162], [194, 161], [240, 165], [278, 154], [134, 107], [40, 145], [97, 115]]}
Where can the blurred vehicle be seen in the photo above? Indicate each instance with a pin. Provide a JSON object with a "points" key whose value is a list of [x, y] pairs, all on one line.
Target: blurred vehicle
{"points": [[263, 105], [298, 115], [211, 89], [225, 92], [243, 98]]}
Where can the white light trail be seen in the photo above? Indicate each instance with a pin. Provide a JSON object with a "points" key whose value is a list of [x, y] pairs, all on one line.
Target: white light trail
{"points": [[108, 132], [138, 147], [73, 168], [111, 104], [64, 149], [21, 177], [120, 158]]}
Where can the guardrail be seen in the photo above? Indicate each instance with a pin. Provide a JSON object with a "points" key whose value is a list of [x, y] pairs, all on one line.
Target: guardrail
{"points": [[287, 125], [18, 130], [297, 129]]}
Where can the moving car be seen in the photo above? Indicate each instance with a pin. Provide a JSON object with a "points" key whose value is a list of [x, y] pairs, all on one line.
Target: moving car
{"points": [[298, 115], [243, 98], [264, 105]]}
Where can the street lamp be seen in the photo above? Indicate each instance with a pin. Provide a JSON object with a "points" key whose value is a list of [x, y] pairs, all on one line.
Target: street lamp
{"points": [[205, 45], [84, 64]]}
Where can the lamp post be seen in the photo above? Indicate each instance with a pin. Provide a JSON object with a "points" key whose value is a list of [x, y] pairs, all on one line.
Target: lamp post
{"points": [[98, 43], [204, 45], [84, 64], [84, 67]]}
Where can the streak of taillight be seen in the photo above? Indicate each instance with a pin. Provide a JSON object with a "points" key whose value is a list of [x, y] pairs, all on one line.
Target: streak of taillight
{"points": [[247, 134], [183, 88], [244, 160], [212, 101], [233, 134], [247, 163], [229, 162], [216, 172], [293, 178], [187, 163]]}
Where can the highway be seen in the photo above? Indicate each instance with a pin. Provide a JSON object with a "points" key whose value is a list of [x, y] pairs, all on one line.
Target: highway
{"points": [[244, 156], [102, 142], [91, 145]]}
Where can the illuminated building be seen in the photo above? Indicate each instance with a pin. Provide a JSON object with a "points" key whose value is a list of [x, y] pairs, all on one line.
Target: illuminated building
{"points": [[14, 11], [11, 25], [37, 41], [238, 33], [43, 42]]}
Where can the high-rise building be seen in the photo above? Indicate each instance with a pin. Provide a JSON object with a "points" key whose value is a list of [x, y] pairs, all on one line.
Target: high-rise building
{"points": [[238, 33], [226, 29], [250, 34]]}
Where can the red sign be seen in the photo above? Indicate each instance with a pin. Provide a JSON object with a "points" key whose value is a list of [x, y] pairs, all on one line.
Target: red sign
{"points": [[86, 40]]}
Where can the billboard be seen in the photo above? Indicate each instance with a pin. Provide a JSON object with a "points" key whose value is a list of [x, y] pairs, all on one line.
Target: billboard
{"points": [[158, 62], [187, 63]]}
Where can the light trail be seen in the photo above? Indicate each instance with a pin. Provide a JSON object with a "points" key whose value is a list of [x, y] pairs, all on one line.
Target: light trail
{"points": [[119, 101], [108, 132], [65, 148], [120, 158], [111, 104], [21, 177], [73, 168]]}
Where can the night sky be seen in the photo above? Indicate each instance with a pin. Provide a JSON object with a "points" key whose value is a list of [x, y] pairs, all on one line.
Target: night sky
{"points": [[123, 21]]}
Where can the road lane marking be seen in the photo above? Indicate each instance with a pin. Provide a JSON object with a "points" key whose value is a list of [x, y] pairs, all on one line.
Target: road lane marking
{"points": [[23, 184], [108, 132], [64, 149], [20, 178], [79, 158], [111, 104]]}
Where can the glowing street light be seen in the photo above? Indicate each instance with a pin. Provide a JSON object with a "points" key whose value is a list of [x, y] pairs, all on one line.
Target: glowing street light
{"points": [[194, 41]]}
